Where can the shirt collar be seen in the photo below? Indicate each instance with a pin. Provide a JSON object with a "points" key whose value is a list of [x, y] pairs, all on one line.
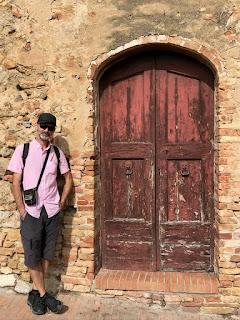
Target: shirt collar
{"points": [[38, 145]]}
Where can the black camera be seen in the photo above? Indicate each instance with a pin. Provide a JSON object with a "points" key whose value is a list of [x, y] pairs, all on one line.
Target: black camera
{"points": [[30, 196]]}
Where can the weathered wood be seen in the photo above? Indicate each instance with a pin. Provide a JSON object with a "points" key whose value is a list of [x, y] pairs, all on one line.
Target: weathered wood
{"points": [[156, 130], [125, 255], [184, 191], [127, 170], [120, 230], [192, 258], [184, 138], [186, 233]]}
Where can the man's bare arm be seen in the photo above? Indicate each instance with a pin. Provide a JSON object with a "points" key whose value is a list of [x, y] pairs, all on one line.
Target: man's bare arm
{"points": [[66, 189], [17, 193]]}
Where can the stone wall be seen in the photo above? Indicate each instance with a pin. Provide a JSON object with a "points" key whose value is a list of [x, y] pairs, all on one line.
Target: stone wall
{"points": [[51, 53]]}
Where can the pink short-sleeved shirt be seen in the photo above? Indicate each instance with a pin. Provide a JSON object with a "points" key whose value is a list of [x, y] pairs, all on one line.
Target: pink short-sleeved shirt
{"points": [[48, 195]]}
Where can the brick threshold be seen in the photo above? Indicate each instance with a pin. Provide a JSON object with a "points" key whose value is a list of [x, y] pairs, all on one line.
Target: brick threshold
{"points": [[171, 282]]}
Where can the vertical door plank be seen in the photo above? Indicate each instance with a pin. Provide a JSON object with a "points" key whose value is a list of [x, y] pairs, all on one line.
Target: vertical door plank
{"points": [[127, 159], [184, 156]]}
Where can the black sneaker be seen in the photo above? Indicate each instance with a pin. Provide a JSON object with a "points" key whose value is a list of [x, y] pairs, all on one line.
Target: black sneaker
{"points": [[38, 306], [52, 304], [31, 296]]}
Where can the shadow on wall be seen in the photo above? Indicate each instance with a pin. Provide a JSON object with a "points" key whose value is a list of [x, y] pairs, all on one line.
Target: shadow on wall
{"points": [[63, 252]]}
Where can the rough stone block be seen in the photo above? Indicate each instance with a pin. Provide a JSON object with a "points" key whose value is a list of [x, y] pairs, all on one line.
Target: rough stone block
{"points": [[21, 266], [8, 244], [13, 235], [230, 271], [68, 286], [217, 310], [12, 263], [6, 251], [6, 270], [75, 280], [81, 288], [22, 287], [7, 280], [235, 291], [172, 299], [235, 258], [25, 276]]}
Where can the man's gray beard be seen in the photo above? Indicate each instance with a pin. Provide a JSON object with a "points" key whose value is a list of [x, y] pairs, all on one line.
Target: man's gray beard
{"points": [[44, 137]]}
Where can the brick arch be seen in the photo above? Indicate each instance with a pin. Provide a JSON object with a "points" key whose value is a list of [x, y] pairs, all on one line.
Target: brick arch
{"points": [[198, 50]]}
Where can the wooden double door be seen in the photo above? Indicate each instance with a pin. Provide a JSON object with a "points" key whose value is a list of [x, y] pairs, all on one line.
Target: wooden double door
{"points": [[156, 135]]}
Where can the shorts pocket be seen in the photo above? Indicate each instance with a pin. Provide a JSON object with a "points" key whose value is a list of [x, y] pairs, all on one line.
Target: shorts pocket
{"points": [[32, 251]]}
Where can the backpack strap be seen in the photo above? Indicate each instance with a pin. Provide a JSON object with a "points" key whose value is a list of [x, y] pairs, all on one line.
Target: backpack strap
{"points": [[57, 152], [25, 152], [24, 157]]}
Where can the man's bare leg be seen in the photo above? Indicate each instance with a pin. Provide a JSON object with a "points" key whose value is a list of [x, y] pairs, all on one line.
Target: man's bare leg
{"points": [[45, 265], [42, 269], [37, 276]]}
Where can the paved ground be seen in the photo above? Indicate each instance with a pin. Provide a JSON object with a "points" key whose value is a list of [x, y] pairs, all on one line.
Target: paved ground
{"points": [[84, 307]]}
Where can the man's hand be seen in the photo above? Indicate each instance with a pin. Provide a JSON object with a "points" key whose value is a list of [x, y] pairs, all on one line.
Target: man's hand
{"points": [[66, 189], [62, 205], [23, 214]]}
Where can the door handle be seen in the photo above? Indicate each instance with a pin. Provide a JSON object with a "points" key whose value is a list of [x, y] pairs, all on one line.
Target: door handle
{"points": [[184, 172], [128, 168]]}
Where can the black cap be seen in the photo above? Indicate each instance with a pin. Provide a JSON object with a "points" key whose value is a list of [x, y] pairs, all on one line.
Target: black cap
{"points": [[47, 118]]}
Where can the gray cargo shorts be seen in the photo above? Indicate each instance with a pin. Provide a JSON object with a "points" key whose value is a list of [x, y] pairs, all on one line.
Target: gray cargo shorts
{"points": [[39, 237]]}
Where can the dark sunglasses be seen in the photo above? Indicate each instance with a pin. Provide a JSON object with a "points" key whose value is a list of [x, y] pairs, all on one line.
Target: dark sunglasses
{"points": [[44, 126]]}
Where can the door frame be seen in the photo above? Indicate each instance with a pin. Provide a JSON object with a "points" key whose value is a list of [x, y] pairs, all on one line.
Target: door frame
{"points": [[208, 56], [197, 71]]}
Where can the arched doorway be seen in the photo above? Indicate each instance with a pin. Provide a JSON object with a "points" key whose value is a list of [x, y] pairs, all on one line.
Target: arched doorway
{"points": [[156, 137]]}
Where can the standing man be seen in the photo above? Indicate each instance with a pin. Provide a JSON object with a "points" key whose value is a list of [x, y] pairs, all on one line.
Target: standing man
{"points": [[39, 204]]}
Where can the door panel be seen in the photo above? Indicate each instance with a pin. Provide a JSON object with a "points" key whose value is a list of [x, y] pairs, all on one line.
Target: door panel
{"points": [[182, 112], [130, 255], [179, 258], [127, 166], [184, 190], [156, 122], [184, 183], [129, 193]]}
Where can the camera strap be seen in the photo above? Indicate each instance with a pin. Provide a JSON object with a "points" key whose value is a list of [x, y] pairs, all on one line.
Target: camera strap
{"points": [[43, 168]]}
